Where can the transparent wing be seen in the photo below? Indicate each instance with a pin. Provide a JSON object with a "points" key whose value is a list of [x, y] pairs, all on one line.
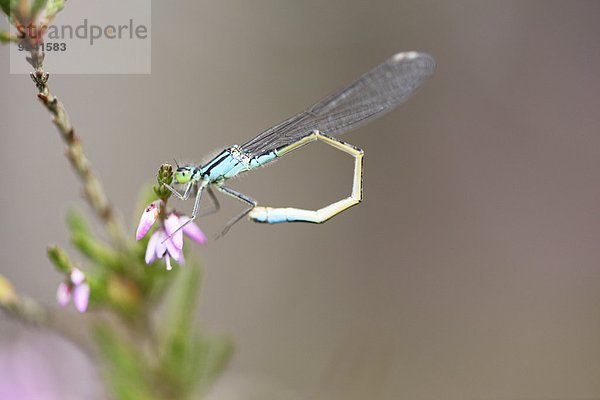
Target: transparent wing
{"points": [[373, 94]]}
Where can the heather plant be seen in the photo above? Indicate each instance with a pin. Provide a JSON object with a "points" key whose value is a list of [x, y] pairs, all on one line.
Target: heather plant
{"points": [[135, 295]]}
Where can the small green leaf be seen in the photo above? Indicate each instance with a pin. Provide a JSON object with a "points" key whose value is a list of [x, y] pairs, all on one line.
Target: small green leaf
{"points": [[54, 7], [77, 222], [5, 37], [84, 240], [182, 306], [189, 360], [98, 252], [37, 6], [60, 259], [6, 6], [177, 344], [124, 366]]}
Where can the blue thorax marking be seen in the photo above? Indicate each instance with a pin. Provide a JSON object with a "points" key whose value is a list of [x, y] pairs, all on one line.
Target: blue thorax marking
{"points": [[231, 162]]}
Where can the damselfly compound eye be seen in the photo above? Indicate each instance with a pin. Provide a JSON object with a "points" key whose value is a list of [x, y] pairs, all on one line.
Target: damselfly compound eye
{"points": [[183, 174]]}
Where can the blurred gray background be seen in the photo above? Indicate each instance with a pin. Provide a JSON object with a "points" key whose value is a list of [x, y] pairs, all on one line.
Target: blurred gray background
{"points": [[472, 268]]}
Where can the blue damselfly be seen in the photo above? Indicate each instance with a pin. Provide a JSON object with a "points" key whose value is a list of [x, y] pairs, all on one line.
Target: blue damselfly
{"points": [[372, 95]]}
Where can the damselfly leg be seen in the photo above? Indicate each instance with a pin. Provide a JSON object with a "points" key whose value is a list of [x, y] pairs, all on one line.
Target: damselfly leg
{"points": [[216, 206], [200, 190], [243, 198], [181, 196]]}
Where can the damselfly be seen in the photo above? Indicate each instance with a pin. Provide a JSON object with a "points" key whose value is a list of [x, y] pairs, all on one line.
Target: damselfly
{"points": [[373, 94]]}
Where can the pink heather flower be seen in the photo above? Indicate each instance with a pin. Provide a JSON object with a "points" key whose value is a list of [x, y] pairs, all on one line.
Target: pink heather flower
{"points": [[81, 297], [161, 247], [165, 242], [192, 230], [171, 225], [75, 288], [148, 219], [63, 294]]}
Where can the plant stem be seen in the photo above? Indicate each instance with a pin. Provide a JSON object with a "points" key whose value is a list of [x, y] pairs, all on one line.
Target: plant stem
{"points": [[92, 187], [29, 312]]}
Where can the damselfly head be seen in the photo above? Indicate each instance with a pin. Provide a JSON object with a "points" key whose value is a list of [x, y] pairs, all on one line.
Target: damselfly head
{"points": [[185, 173]]}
